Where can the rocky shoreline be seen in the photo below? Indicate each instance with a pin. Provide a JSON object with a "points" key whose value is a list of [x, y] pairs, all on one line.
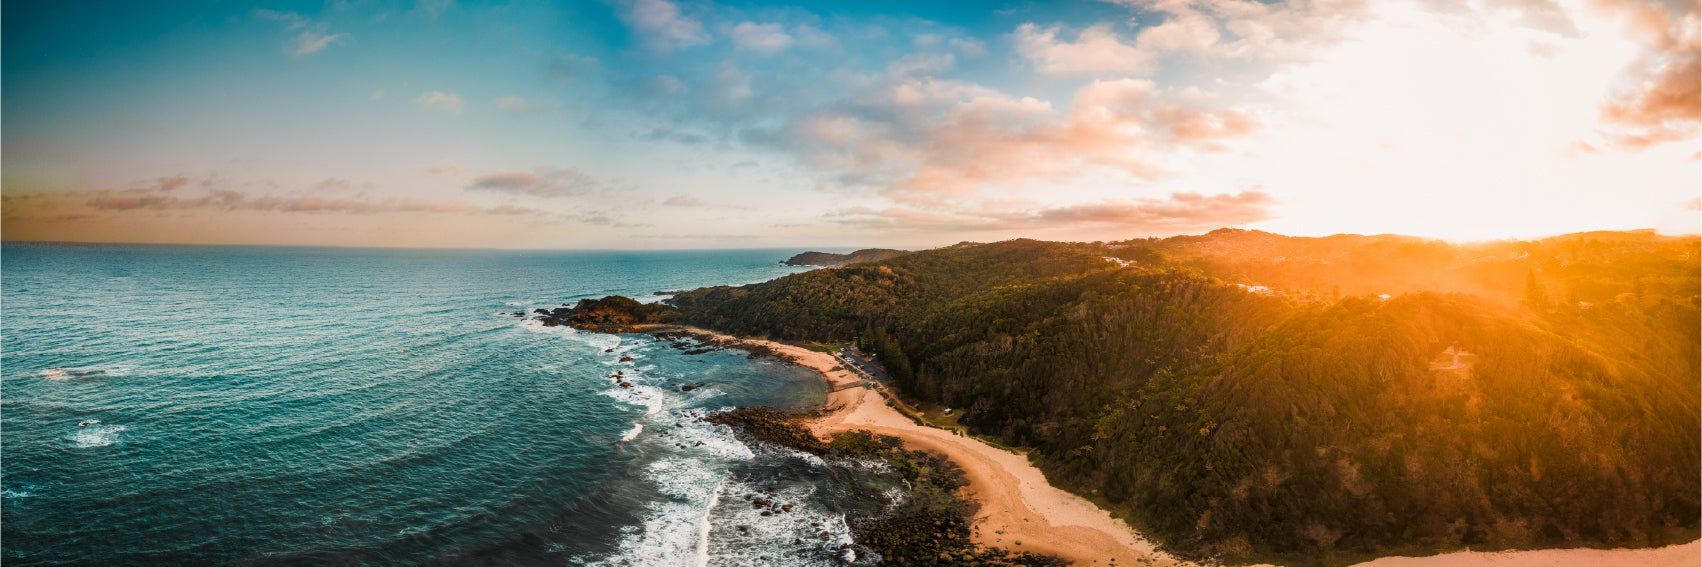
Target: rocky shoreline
{"points": [[932, 524]]}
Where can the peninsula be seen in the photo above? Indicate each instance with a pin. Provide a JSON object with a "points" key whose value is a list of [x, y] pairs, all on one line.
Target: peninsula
{"points": [[1247, 397]]}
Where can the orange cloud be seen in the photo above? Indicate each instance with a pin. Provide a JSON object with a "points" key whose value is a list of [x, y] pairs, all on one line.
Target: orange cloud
{"points": [[1095, 50], [1665, 102], [937, 143], [1181, 212]]}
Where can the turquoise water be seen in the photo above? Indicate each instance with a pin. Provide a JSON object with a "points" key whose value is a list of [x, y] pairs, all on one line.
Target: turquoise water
{"points": [[359, 406]]}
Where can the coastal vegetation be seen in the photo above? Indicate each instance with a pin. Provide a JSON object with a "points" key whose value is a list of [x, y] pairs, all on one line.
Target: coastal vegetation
{"points": [[829, 260], [1245, 396]]}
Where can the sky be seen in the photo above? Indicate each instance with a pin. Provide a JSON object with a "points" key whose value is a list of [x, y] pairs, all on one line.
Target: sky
{"points": [[664, 124]]}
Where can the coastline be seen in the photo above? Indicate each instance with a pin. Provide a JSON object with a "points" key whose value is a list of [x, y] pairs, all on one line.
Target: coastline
{"points": [[1018, 505]]}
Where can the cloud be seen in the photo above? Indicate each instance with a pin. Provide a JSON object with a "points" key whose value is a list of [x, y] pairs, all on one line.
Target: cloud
{"points": [[309, 42], [331, 184], [1246, 29], [164, 184], [1181, 212], [575, 68], [921, 64], [519, 106], [969, 47], [450, 103], [234, 201], [760, 38], [446, 167], [662, 24], [378, 94], [682, 201], [1095, 51], [932, 142], [1663, 103], [433, 8], [542, 182], [313, 37]]}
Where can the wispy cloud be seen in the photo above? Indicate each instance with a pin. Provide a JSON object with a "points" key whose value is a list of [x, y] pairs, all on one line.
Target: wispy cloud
{"points": [[1181, 212], [311, 37], [218, 200], [520, 106], [542, 182], [446, 167], [761, 38], [446, 102]]}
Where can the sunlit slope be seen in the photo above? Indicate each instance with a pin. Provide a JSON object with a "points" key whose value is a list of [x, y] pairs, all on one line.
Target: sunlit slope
{"points": [[1555, 406]]}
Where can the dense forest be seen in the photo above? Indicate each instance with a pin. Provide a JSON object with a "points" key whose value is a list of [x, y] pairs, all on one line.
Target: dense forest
{"points": [[1248, 396]]}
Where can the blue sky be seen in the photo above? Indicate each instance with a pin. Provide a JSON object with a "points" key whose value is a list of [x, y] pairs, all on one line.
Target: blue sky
{"points": [[663, 124]]}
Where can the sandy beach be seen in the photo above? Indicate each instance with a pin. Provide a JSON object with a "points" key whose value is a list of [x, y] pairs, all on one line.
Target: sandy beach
{"points": [[1021, 511]]}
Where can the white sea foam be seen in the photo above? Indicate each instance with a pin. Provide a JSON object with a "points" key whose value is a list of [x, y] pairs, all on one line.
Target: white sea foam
{"points": [[63, 373], [633, 433], [97, 435], [769, 540], [703, 532], [648, 397], [15, 493]]}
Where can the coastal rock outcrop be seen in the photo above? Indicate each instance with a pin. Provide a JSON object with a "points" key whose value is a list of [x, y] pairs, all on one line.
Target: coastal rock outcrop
{"points": [[612, 314], [829, 260]]}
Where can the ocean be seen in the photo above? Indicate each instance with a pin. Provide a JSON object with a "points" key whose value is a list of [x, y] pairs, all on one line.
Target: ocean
{"points": [[190, 405]]}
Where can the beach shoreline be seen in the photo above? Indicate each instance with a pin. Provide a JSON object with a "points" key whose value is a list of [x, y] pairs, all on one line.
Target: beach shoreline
{"points": [[1017, 504], [1019, 510]]}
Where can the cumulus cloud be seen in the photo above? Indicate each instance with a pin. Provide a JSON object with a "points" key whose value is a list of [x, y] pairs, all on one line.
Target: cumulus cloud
{"points": [[542, 182], [664, 27], [1247, 29], [1096, 50], [760, 38], [932, 142], [446, 102], [1663, 102]]}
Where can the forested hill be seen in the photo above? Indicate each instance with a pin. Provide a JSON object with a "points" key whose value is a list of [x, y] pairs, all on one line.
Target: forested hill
{"points": [[830, 260], [1249, 396]]}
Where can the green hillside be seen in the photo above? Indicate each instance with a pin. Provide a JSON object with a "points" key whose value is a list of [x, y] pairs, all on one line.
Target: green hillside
{"points": [[1249, 396]]}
